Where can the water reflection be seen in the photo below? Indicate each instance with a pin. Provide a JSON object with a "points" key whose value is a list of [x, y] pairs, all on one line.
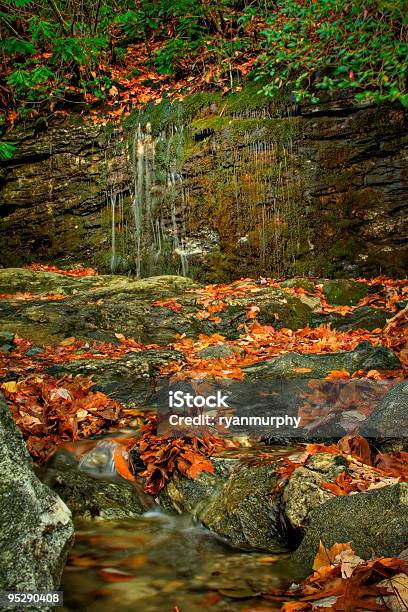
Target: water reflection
{"points": [[159, 562]]}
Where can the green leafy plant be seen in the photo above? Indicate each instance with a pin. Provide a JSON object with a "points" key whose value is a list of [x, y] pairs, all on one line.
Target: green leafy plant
{"points": [[6, 150], [312, 45]]}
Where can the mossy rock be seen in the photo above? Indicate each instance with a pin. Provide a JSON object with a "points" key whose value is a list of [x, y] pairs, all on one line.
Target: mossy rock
{"points": [[245, 513], [291, 312], [16, 280], [182, 494], [310, 365], [343, 292], [361, 318], [374, 522], [300, 283], [92, 498]]}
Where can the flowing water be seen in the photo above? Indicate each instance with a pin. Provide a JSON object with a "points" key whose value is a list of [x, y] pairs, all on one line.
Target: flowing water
{"points": [[160, 562], [197, 191]]}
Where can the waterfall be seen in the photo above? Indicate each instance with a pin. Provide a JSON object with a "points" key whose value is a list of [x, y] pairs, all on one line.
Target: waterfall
{"points": [[208, 193], [157, 189], [113, 232]]}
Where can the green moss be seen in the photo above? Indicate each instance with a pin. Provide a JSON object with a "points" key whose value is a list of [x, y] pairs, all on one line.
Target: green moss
{"points": [[344, 292], [165, 114]]}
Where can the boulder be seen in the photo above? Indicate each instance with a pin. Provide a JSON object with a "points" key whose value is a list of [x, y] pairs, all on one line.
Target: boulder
{"points": [[293, 365], [375, 522], [344, 292], [36, 529], [237, 503], [93, 498], [390, 417], [246, 512], [304, 491]]}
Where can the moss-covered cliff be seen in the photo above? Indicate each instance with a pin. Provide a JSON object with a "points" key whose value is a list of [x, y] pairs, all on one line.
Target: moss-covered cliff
{"points": [[217, 187]]}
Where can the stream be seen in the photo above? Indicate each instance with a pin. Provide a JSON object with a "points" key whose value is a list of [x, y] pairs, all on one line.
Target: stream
{"points": [[160, 562]]}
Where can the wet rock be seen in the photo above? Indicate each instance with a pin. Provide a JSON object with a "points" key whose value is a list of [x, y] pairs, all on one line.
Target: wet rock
{"points": [[129, 379], [92, 498], [343, 292], [304, 492], [245, 512], [375, 521], [184, 495], [361, 318], [35, 525], [364, 357], [390, 417]]}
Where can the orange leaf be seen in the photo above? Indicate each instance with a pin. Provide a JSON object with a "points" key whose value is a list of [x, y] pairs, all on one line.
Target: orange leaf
{"points": [[121, 464], [325, 556], [357, 446], [335, 374]]}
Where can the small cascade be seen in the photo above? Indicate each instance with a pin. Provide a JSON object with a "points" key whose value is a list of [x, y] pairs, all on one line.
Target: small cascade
{"points": [[225, 196], [157, 217], [113, 232]]}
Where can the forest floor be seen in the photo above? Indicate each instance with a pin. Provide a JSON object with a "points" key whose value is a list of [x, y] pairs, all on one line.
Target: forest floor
{"points": [[62, 388]]}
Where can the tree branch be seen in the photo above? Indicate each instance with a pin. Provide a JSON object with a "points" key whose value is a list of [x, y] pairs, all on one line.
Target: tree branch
{"points": [[97, 16], [58, 15]]}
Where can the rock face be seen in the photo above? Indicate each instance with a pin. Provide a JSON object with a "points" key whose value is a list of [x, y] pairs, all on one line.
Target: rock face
{"points": [[35, 525], [375, 521], [54, 190], [321, 192]]}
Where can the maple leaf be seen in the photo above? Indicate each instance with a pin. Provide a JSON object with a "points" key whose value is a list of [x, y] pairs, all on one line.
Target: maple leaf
{"points": [[170, 304], [356, 446]]}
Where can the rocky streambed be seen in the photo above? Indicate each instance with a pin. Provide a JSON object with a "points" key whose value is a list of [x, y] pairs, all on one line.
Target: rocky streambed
{"points": [[234, 521]]}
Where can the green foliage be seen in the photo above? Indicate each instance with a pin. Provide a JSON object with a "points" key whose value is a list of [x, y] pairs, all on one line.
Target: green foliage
{"points": [[6, 150], [313, 45], [59, 50], [12, 45]]}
